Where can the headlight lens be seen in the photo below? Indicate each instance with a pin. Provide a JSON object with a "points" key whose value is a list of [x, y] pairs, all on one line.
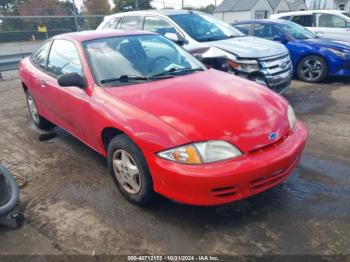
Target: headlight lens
{"points": [[244, 65], [202, 152], [291, 117], [338, 53]]}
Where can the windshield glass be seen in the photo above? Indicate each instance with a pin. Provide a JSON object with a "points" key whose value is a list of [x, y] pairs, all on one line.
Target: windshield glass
{"points": [[137, 57], [297, 31], [205, 28]]}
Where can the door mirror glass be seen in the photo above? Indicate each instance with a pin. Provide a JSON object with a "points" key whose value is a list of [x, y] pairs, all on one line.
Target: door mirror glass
{"points": [[71, 79]]}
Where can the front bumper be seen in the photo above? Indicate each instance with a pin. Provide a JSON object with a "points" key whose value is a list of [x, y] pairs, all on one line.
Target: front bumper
{"points": [[223, 182]]}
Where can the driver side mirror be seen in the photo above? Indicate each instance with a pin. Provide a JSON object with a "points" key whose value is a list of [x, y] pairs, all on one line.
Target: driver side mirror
{"points": [[71, 79], [175, 38], [281, 38]]}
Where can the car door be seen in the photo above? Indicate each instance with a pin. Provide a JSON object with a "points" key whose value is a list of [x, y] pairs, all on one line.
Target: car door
{"points": [[332, 26], [69, 106]]}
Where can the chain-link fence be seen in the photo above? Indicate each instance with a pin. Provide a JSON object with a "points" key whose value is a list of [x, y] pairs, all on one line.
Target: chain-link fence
{"points": [[20, 35]]}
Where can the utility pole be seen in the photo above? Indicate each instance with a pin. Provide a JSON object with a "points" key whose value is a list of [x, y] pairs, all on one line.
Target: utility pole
{"points": [[215, 3], [182, 4], [137, 4]]}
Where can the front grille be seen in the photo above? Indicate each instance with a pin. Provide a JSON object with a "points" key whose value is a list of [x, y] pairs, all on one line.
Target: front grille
{"points": [[276, 65], [227, 191], [275, 178]]}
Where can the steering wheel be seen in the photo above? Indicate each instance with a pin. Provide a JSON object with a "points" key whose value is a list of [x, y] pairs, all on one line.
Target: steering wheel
{"points": [[158, 60]]}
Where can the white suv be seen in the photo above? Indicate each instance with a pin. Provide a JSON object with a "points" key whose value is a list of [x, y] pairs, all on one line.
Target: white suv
{"points": [[332, 24]]}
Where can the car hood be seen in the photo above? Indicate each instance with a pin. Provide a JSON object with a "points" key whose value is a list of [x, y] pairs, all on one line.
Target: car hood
{"points": [[328, 43], [212, 105], [249, 47]]}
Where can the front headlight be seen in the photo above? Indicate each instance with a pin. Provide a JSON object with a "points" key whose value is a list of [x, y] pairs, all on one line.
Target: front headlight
{"points": [[248, 66], [339, 53], [202, 152], [291, 117]]}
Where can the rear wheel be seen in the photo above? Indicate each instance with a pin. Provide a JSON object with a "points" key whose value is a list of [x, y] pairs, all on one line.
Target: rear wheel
{"points": [[129, 170], [37, 119], [312, 69]]}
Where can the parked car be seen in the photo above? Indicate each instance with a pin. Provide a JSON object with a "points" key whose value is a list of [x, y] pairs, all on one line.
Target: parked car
{"points": [[164, 121], [332, 24], [313, 58], [204, 36]]}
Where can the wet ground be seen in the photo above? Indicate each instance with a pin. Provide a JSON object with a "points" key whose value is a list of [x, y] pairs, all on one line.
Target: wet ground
{"points": [[73, 207]]}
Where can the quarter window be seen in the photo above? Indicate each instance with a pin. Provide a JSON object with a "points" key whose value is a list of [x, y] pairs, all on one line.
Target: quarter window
{"points": [[304, 20], [333, 21], [131, 22], [39, 57], [64, 58], [158, 25]]}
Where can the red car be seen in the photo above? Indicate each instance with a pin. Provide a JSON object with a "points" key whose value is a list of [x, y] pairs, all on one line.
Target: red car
{"points": [[165, 122]]}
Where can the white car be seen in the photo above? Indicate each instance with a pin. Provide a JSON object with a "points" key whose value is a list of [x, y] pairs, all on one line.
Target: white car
{"points": [[332, 24]]}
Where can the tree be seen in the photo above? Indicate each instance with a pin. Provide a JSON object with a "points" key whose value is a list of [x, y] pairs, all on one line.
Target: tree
{"points": [[206, 9], [131, 5], [100, 7], [41, 7], [9, 6]]}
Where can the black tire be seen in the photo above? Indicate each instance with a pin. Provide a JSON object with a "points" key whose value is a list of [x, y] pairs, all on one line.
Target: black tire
{"points": [[39, 121], [146, 193], [303, 65]]}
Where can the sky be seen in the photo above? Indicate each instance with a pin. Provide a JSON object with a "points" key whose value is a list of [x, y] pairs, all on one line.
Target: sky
{"points": [[171, 3]]}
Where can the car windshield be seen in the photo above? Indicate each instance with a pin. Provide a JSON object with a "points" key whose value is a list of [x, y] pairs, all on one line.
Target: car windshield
{"points": [[296, 31], [123, 60], [205, 28]]}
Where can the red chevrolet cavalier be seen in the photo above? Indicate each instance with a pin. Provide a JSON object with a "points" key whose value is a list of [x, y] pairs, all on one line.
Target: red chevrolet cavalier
{"points": [[165, 122]]}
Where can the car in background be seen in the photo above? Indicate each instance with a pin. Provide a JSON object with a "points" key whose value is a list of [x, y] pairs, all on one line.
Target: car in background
{"points": [[313, 58], [165, 122], [206, 37], [332, 24]]}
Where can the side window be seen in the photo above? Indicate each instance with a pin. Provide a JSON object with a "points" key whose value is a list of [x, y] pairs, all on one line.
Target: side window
{"points": [[265, 31], [158, 25], [112, 23], [131, 22], [39, 57], [303, 20], [244, 28], [64, 58], [328, 20]]}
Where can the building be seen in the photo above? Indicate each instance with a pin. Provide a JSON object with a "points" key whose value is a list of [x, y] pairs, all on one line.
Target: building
{"points": [[236, 10], [329, 4]]}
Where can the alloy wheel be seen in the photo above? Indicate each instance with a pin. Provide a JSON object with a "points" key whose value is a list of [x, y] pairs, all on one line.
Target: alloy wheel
{"points": [[312, 69], [127, 172], [32, 109]]}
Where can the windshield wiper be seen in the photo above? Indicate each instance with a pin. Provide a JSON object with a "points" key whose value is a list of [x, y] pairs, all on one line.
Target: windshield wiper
{"points": [[176, 70], [128, 78]]}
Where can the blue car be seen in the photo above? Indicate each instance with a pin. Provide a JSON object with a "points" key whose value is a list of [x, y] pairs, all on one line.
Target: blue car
{"points": [[313, 58]]}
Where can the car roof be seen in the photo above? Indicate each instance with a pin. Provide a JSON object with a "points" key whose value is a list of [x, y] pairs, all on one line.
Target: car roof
{"points": [[166, 12], [92, 34], [306, 12], [262, 21]]}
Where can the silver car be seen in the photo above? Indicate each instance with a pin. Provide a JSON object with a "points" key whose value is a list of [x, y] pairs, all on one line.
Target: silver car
{"points": [[207, 38]]}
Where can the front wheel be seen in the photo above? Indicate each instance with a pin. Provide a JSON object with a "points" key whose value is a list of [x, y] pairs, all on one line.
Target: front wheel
{"points": [[129, 170], [312, 69]]}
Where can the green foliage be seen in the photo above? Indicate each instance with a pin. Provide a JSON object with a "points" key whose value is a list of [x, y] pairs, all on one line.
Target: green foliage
{"points": [[206, 9], [131, 5]]}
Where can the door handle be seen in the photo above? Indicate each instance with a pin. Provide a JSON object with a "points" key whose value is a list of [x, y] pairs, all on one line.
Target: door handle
{"points": [[43, 83]]}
